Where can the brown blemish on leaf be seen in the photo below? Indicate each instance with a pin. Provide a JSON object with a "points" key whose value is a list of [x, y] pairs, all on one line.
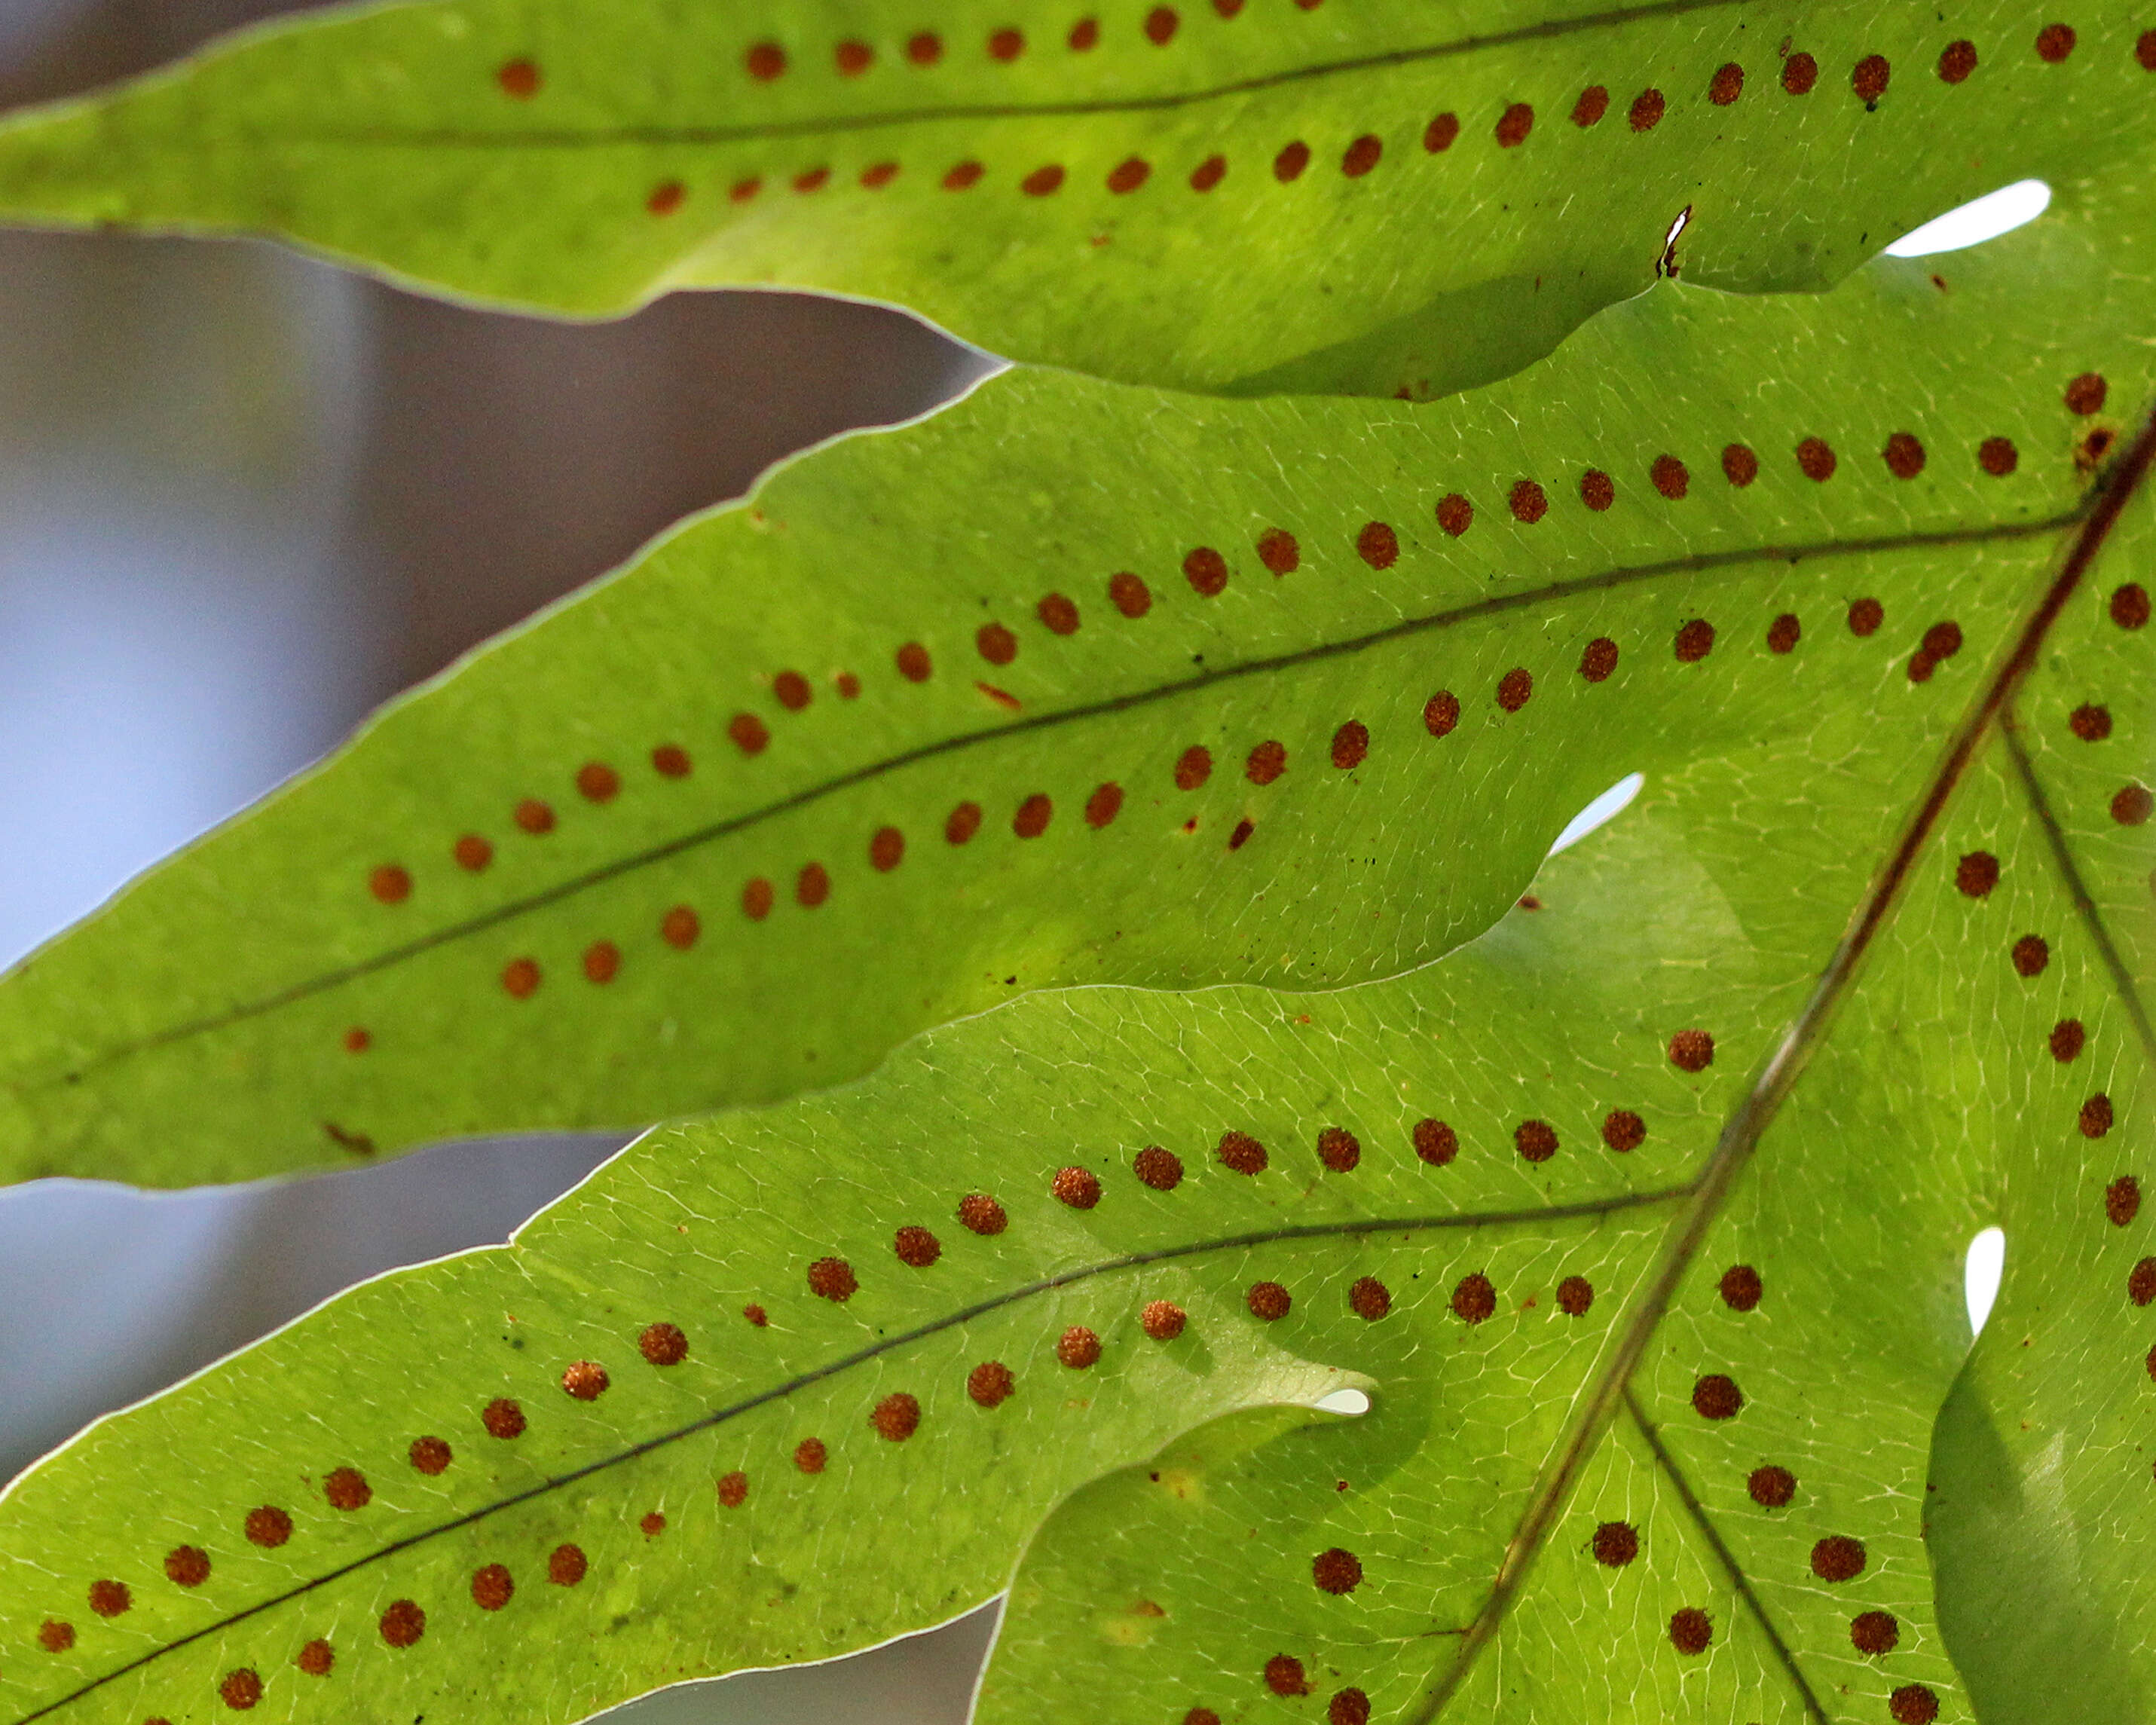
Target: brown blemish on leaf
{"points": [[2141, 1282], [1206, 571], [1338, 1149], [1378, 545], [1957, 60], [1670, 477], [1103, 806], [1438, 136], [1599, 659], [1454, 514], [2132, 805], [1085, 34], [1208, 173], [358, 1040], [995, 643], [240, 1690], [1997, 456], [812, 886], [1043, 181], [109, 1599], [1369, 1299], [429, 1456], [1694, 641], [1592, 104], [2030, 954], [1815, 460], [1337, 1571], [1536, 1140], [502, 1417], [346, 1489], [268, 1526], [897, 1417], [810, 1456], [765, 61], [1242, 1153], [1278, 552], [2085, 394], [520, 979], [832, 1279], [534, 817], [1441, 713], [917, 1246], [1129, 595], [1623, 1130], [2090, 722], [2067, 1041], [1740, 1287], [1268, 1301], [1527, 501], [1350, 745], [1976, 873], [1597, 490], [1162, 1320], [186, 1566], [1616, 1543], [1349, 1707], [671, 761], [1904, 455], [1690, 1631], [1727, 84], [567, 1565], [586, 1380], [1647, 110], [1289, 163], [1360, 156], [733, 1490], [1078, 1348], [519, 79], [1201, 1715], [2122, 1200], [1077, 1186], [1435, 1143], [1870, 76], [472, 853], [2054, 43], [1284, 1676], [598, 782], [1575, 1294], [1912, 1704], [1838, 1558], [749, 733], [990, 1384], [982, 1214], [1716, 1397], [1740, 466], [965, 821], [1475, 1299], [913, 662], [757, 1317], [602, 962], [662, 1344], [651, 1524], [2129, 606], [1514, 125], [55, 1636], [1771, 1487], [1129, 174], [1784, 633], [403, 1623], [491, 1587], [390, 884], [1874, 1632], [316, 1658], [2096, 1115], [1158, 1168], [1515, 688], [1691, 1050]]}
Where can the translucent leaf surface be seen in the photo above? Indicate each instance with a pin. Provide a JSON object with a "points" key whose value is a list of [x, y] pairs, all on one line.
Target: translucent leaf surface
{"points": [[1640, 1218], [1418, 196], [1202, 687]]}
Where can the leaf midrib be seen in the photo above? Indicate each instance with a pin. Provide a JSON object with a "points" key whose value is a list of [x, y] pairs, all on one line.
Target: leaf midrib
{"points": [[1786, 1064], [542, 138], [1497, 604], [1617, 1204]]}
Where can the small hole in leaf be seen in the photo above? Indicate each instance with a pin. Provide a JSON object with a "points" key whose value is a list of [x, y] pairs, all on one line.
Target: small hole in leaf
{"points": [[1972, 223], [1600, 812], [1981, 1270]]}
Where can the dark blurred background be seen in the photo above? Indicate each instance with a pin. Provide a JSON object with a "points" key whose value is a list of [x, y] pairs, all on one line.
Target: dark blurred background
{"points": [[243, 499]]}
